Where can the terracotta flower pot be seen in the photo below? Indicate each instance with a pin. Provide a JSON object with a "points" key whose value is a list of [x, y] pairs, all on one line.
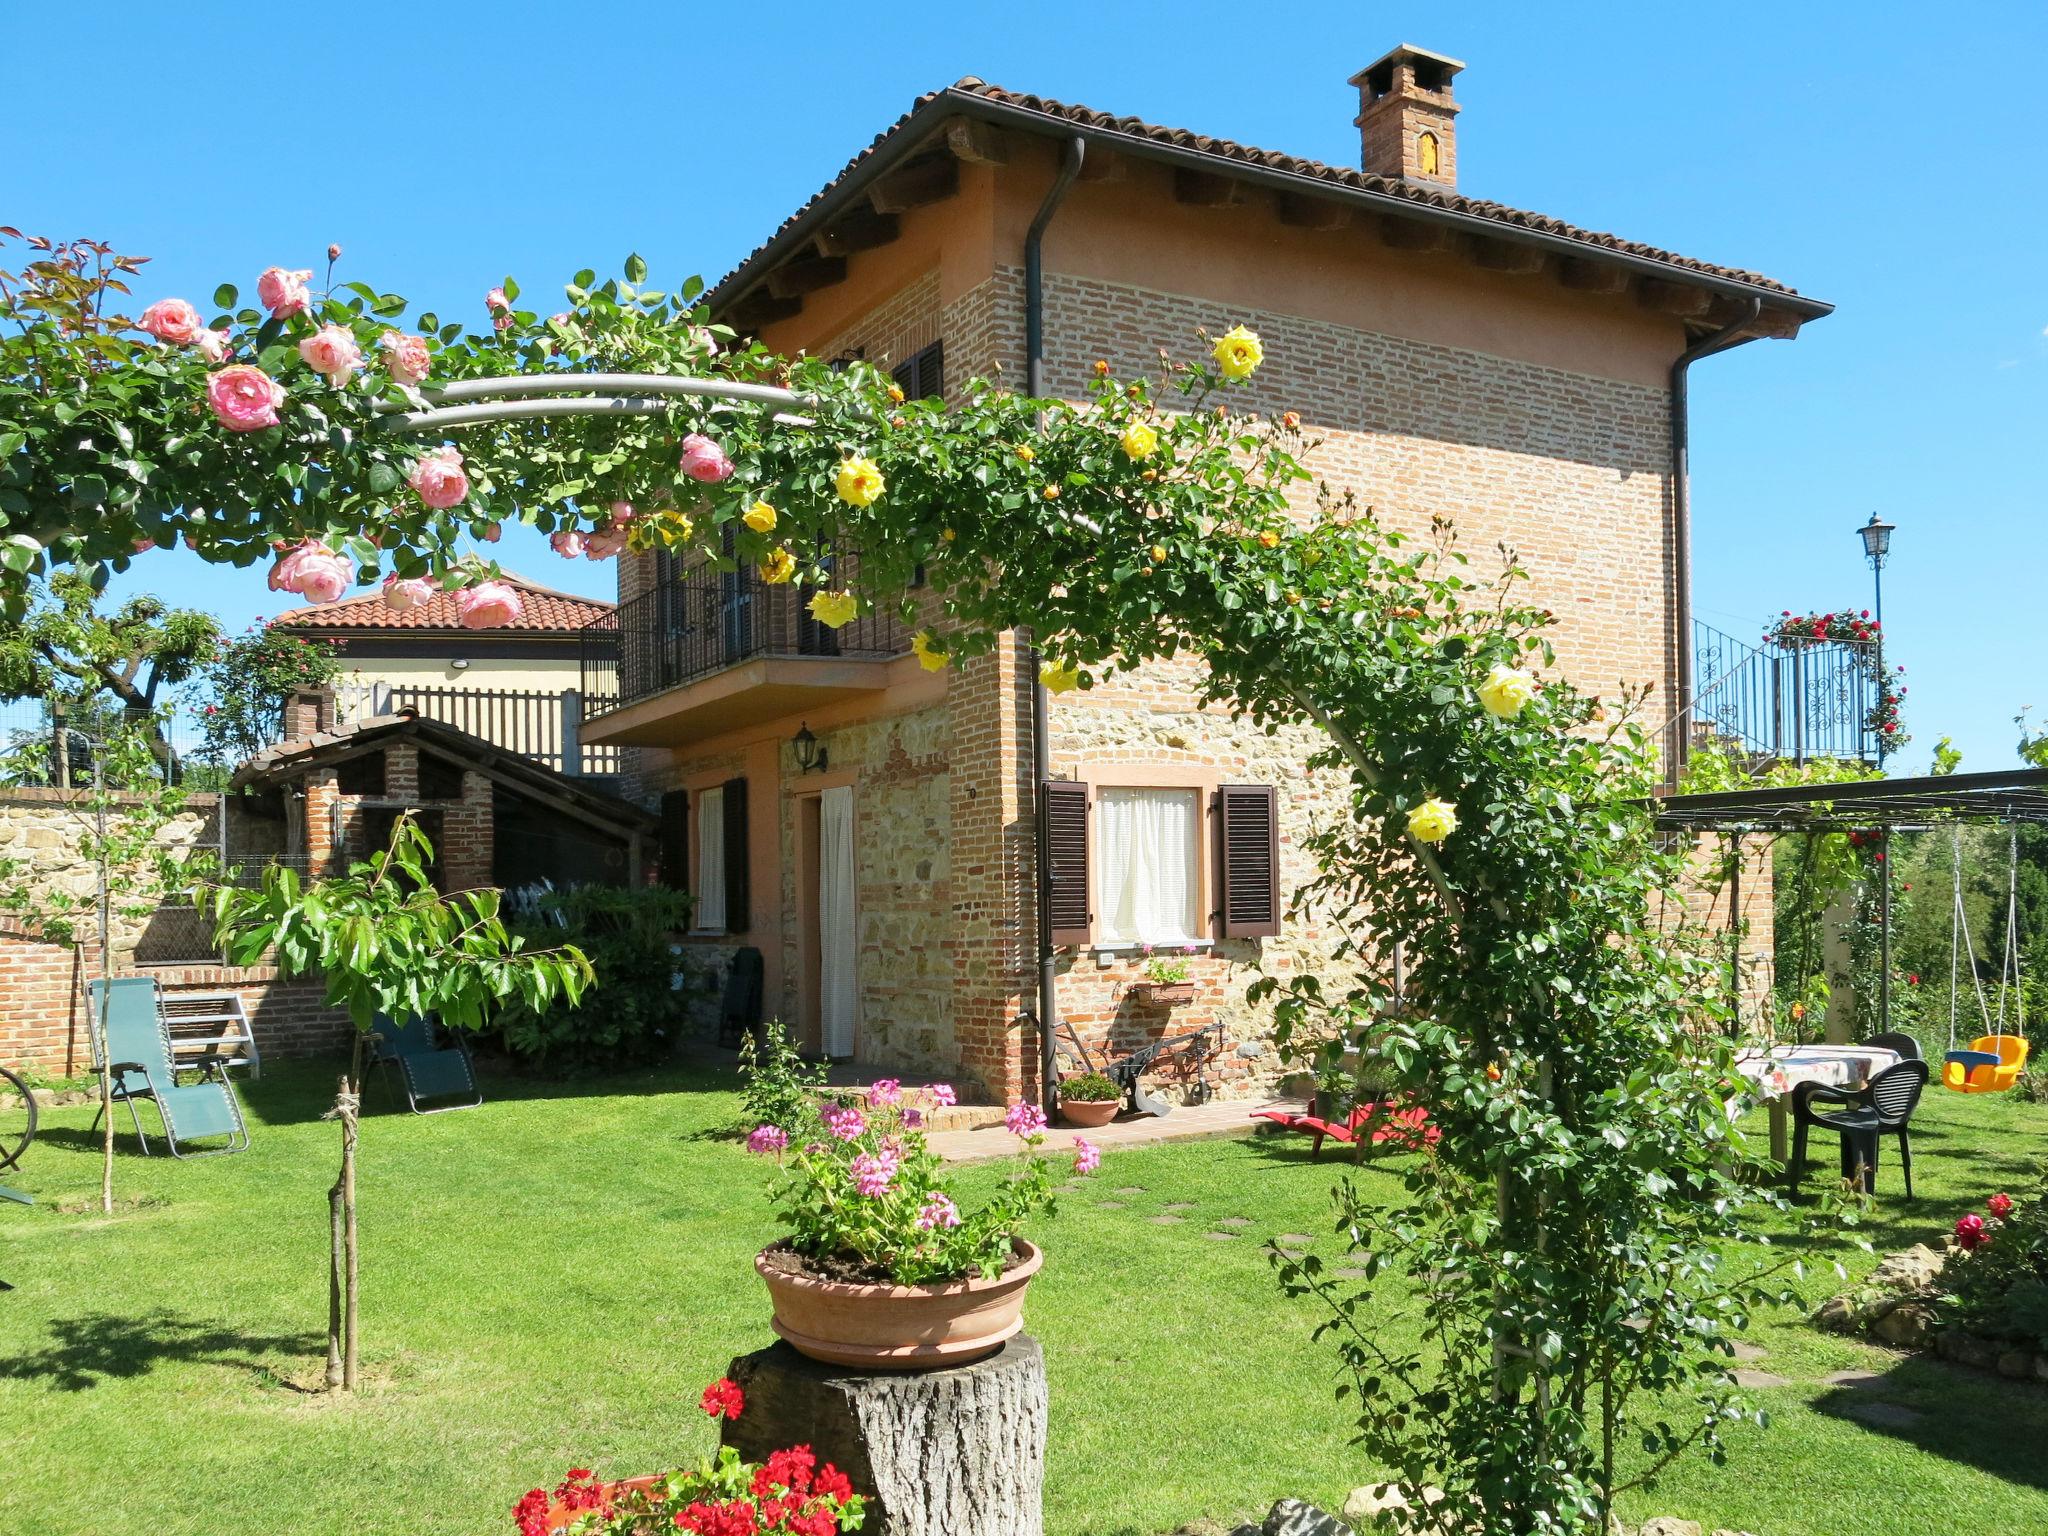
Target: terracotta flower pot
{"points": [[899, 1327], [1089, 1112], [1169, 994]]}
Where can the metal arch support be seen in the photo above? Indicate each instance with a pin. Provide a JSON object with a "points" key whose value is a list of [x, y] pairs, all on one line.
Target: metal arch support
{"points": [[529, 397]]}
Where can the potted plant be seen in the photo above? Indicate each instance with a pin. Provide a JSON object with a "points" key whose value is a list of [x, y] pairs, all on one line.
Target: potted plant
{"points": [[1090, 1099], [789, 1491], [882, 1268], [1166, 983]]}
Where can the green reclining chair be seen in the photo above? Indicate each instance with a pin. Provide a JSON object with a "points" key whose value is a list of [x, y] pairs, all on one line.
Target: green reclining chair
{"points": [[426, 1069], [142, 1067]]}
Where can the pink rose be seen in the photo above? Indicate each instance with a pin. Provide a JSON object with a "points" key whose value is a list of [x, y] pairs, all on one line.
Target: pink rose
{"points": [[244, 398], [212, 344], [332, 353], [603, 543], [322, 576], [402, 593], [438, 478], [489, 605], [406, 356], [172, 320], [568, 543], [622, 513], [282, 292], [496, 300], [492, 532], [143, 544], [705, 460]]}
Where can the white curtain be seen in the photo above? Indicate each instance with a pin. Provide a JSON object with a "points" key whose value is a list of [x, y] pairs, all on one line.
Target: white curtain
{"points": [[1145, 857], [838, 986], [710, 914]]}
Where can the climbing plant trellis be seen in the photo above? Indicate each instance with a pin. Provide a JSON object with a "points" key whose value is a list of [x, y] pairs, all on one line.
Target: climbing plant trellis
{"points": [[1565, 1233]]}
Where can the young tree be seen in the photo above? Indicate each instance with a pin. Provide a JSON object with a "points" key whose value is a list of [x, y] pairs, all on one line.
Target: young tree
{"points": [[387, 943], [121, 815], [239, 691]]}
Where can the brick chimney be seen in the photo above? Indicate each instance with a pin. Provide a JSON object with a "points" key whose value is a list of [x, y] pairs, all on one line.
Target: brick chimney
{"points": [[1407, 121]]}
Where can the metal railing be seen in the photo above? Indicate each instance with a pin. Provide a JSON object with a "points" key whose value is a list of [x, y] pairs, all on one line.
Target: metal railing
{"points": [[1790, 702], [534, 722], [703, 620]]}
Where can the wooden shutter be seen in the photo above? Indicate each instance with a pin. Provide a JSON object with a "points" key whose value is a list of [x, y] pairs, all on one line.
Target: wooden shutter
{"points": [[1063, 862], [737, 918], [675, 840], [1248, 860]]}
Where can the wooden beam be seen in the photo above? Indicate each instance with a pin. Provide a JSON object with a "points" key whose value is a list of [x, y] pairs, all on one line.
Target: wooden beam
{"points": [[761, 307], [861, 230], [1505, 255], [1298, 212], [1402, 234], [1779, 324], [1588, 276], [793, 279], [977, 143], [1101, 164], [927, 180], [1204, 189], [1680, 299]]}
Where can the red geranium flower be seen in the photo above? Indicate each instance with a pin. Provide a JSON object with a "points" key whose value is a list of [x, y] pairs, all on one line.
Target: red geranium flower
{"points": [[1970, 1233], [1999, 1205], [723, 1399]]}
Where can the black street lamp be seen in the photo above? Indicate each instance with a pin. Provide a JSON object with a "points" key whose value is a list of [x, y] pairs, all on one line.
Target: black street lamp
{"points": [[1877, 547]]}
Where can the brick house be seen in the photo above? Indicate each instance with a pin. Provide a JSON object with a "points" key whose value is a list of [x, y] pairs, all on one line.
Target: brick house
{"points": [[873, 829]]}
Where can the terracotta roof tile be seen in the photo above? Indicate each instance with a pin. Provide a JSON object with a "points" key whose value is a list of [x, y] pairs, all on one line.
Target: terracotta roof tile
{"points": [[547, 612], [1227, 152]]}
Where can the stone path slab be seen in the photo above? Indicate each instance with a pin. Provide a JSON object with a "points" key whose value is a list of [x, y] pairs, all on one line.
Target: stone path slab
{"points": [[1755, 1379], [1747, 1352], [1859, 1381]]}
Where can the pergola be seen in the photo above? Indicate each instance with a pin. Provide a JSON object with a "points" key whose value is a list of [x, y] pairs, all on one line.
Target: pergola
{"points": [[2009, 795]]}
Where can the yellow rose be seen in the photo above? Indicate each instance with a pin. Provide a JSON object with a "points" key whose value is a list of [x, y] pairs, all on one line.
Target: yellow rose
{"points": [[778, 567], [1051, 493], [1238, 352], [948, 535], [1270, 539], [834, 609], [896, 393], [928, 656], [858, 482], [1058, 678], [1026, 452], [1159, 554], [760, 517], [1140, 441], [1506, 692], [1432, 821]]}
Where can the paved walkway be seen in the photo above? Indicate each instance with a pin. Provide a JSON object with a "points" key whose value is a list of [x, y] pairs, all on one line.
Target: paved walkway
{"points": [[1197, 1122]]}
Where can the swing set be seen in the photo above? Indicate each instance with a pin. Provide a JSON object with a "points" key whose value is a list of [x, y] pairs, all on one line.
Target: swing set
{"points": [[1994, 1060]]}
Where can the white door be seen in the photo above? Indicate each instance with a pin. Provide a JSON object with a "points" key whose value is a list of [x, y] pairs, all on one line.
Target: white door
{"points": [[838, 950]]}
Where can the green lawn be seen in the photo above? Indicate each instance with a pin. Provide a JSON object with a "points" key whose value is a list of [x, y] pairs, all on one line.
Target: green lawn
{"points": [[552, 1278]]}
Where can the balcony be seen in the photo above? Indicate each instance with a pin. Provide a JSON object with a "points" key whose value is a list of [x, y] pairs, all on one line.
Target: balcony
{"points": [[1789, 703], [708, 651]]}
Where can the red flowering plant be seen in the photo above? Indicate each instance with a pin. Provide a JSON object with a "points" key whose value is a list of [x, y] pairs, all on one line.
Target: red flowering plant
{"points": [[1796, 631], [722, 1496], [859, 1189], [1995, 1282]]}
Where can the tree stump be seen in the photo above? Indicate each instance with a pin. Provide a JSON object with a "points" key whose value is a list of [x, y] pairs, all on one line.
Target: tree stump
{"points": [[956, 1452]]}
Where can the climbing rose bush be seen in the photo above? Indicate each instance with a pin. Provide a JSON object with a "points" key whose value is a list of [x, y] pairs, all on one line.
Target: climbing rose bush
{"points": [[858, 1184], [724, 1496]]}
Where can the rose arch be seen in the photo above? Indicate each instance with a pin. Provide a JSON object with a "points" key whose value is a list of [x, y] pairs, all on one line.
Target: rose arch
{"points": [[1562, 1237]]}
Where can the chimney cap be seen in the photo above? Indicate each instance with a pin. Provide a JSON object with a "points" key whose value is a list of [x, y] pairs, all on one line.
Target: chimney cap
{"points": [[1437, 69]]}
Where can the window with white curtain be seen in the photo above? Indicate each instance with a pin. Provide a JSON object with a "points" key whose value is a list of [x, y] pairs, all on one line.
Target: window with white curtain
{"points": [[710, 913], [1146, 848]]}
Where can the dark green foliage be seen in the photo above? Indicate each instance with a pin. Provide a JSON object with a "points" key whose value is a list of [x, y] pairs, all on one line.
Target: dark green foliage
{"points": [[778, 1084], [1089, 1088], [634, 1007], [2000, 1291]]}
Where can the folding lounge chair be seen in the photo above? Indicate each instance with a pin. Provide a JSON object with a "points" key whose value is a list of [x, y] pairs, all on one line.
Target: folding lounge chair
{"points": [[425, 1068], [142, 1067], [1376, 1122]]}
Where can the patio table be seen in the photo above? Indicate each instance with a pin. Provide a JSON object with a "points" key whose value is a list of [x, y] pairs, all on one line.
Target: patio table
{"points": [[1781, 1068]]}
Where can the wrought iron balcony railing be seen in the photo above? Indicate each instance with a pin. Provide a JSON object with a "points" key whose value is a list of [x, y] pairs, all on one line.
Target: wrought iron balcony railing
{"points": [[1790, 702], [702, 620]]}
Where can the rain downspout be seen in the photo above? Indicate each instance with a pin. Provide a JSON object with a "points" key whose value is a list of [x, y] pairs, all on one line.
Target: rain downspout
{"points": [[1041, 731], [1681, 515]]}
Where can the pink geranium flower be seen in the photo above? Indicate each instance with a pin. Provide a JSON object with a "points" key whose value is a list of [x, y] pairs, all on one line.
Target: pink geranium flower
{"points": [[1087, 1155], [489, 605], [942, 1095], [705, 460], [1024, 1118], [172, 320], [284, 292], [767, 1138], [886, 1090], [873, 1172], [244, 398], [439, 479], [938, 1211], [844, 1121]]}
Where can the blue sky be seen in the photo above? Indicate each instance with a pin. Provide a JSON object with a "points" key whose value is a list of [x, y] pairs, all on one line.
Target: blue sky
{"points": [[1842, 149]]}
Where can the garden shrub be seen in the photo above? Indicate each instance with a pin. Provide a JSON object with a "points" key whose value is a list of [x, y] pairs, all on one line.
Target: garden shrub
{"points": [[634, 1006], [1995, 1283], [1089, 1088], [778, 1083]]}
